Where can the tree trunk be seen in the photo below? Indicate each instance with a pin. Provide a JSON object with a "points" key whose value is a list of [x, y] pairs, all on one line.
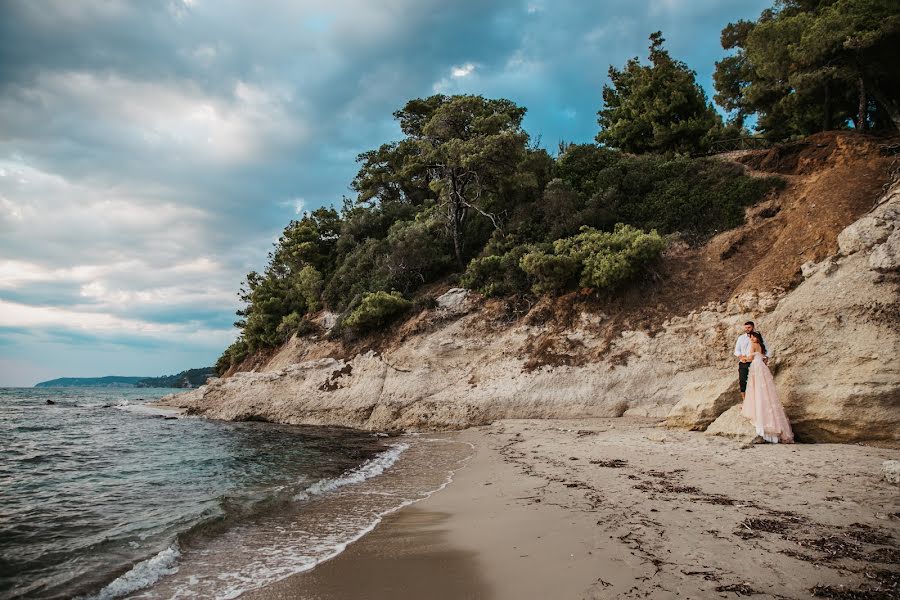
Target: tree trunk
{"points": [[826, 118], [863, 112], [457, 247], [457, 215]]}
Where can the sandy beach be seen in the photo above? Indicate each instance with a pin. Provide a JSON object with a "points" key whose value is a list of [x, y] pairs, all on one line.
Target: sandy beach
{"points": [[621, 508]]}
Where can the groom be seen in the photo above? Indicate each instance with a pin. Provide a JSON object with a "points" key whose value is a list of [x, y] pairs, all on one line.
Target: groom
{"points": [[742, 351]]}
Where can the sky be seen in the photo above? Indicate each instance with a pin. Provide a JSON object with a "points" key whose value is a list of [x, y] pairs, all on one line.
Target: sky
{"points": [[152, 151]]}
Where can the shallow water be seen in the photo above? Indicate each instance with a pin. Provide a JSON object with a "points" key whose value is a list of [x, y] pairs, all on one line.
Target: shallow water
{"points": [[101, 496]]}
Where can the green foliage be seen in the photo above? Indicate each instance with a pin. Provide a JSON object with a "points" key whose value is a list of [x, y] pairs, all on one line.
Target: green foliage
{"points": [[809, 66], [417, 253], [655, 108], [471, 147], [233, 355], [497, 274], [295, 323], [695, 197], [358, 273], [309, 285], [375, 310], [551, 273], [608, 260], [411, 222]]}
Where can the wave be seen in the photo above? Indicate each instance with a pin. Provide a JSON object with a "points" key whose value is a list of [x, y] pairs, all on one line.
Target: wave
{"points": [[142, 575], [241, 528], [371, 468]]}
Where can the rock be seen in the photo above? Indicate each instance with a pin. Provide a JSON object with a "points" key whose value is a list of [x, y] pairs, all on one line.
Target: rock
{"points": [[328, 320], [50, 402], [863, 235], [890, 471], [702, 402], [653, 412], [453, 299], [885, 258], [733, 425], [807, 269]]}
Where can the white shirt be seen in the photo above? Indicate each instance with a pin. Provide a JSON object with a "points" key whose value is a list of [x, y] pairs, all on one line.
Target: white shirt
{"points": [[742, 346]]}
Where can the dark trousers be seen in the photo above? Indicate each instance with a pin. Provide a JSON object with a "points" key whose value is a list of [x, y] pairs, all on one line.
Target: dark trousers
{"points": [[743, 371]]}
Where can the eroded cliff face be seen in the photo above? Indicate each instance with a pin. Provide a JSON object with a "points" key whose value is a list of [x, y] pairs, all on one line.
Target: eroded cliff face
{"points": [[834, 338]]}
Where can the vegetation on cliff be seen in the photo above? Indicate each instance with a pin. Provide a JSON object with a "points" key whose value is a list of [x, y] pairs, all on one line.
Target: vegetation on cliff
{"points": [[466, 194], [812, 65]]}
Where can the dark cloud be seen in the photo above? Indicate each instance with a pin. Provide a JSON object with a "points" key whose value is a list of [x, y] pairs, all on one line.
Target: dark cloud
{"points": [[150, 152]]}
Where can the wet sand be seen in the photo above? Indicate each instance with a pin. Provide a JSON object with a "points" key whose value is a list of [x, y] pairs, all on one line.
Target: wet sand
{"points": [[620, 508]]}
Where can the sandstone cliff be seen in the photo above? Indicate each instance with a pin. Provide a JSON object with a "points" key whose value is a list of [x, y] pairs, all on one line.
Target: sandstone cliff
{"points": [[468, 361]]}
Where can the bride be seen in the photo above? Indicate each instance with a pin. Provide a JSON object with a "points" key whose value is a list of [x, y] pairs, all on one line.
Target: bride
{"points": [[761, 404]]}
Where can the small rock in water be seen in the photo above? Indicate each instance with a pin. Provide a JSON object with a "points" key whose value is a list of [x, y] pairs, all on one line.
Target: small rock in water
{"points": [[50, 402]]}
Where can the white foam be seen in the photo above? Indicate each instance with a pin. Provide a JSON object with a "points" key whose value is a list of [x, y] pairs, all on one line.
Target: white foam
{"points": [[371, 468], [277, 559], [141, 575], [147, 409], [333, 546]]}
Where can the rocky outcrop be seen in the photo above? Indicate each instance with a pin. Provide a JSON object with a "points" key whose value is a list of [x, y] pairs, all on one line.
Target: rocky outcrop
{"points": [[834, 340], [732, 424]]}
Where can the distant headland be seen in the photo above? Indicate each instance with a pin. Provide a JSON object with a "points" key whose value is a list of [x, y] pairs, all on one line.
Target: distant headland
{"points": [[190, 378]]}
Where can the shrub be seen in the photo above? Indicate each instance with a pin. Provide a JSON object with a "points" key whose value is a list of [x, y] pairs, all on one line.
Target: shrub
{"points": [[610, 259], [499, 274], [550, 273], [233, 355], [418, 252], [375, 310], [696, 197], [296, 323]]}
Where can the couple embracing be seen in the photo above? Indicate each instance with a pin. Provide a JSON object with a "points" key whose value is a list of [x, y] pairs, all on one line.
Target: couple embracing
{"points": [[761, 403]]}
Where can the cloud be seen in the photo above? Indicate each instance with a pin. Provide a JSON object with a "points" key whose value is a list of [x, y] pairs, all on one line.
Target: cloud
{"points": [[150, 153], [462, 70]]}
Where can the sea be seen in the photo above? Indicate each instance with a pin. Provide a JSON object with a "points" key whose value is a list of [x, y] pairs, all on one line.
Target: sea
{"points": [[103, 496]]}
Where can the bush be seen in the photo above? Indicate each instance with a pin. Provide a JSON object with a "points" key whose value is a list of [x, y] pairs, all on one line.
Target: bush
{"points": [[296, 323], [233, 355], [550, 273], [375, 310], [610, 259], [696, 197], [418, 252], [499, 274]]}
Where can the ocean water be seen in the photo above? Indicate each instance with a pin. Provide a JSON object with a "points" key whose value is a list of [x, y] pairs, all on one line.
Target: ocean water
{"points": [[104, 497]]}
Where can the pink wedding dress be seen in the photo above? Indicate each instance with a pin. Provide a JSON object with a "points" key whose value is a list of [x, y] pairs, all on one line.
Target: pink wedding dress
{"points": [[762, 407]]}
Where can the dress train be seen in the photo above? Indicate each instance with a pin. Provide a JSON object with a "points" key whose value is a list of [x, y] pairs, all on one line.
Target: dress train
{"points": [[762, 406]]}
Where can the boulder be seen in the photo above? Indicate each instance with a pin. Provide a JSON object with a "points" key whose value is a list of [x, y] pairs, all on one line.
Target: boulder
{"points": [[872, 229], [733, 425], [453, 299], [890, 471], [702, 402], [886, 257]]}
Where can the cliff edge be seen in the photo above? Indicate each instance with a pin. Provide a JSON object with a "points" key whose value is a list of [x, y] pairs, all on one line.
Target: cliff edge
{"points": [[816, 266]]}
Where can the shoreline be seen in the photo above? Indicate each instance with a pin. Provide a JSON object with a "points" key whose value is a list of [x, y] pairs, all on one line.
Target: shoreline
{"points": [[619, 508]]}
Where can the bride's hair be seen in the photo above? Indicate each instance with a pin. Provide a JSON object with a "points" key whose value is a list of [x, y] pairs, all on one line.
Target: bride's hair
{"points": [[759, 338]]}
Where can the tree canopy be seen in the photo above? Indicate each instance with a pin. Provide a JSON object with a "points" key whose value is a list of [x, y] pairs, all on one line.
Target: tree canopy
{"points": [[807, 66], [655, 108]]}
